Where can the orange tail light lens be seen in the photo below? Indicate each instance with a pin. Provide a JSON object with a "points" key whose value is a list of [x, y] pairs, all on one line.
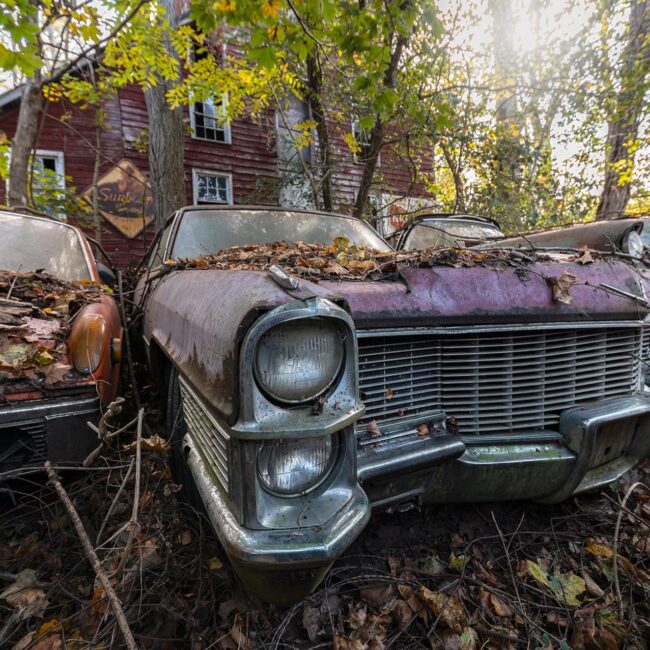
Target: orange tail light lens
{"points": [[87, 342]]}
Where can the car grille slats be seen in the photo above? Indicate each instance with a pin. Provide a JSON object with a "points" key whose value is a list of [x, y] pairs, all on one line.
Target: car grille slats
{"points": [[497, 381], [210, 438]]}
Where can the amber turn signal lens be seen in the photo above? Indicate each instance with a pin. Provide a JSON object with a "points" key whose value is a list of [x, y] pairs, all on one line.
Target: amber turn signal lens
{"points": [[116, 350], [87, 342]]}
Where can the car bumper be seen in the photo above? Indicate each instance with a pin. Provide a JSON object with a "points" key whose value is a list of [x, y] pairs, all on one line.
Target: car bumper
{"points": [[49, 429], [279, 565], [596, 444]]}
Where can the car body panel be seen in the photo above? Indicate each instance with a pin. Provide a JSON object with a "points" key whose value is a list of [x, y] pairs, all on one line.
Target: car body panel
{"points": [[50, 418], [201, 321]]}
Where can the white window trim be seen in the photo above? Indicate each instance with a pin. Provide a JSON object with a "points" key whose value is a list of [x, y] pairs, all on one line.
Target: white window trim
{"points": [[354, 129], [225, 126], [211, 172], [59, 164], [47, 153]]}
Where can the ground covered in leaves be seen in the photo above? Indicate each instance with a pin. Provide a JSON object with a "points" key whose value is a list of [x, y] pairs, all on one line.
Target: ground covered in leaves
{"points": [[515, 575]]}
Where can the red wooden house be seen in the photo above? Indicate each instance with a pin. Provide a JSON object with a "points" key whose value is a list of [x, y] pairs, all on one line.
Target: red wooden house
{"points": [[246, 161]]}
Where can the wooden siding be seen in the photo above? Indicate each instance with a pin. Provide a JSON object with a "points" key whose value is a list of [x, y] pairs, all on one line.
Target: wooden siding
{"points": [[251, 159]]}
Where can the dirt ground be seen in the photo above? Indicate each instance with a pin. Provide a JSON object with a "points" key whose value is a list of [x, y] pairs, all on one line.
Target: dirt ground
{"points": [[508, 575]]}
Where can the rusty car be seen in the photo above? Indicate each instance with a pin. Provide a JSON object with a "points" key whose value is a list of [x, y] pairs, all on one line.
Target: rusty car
{"points": [[446, 229], [627, 235], [60, 342], [312, 376]]}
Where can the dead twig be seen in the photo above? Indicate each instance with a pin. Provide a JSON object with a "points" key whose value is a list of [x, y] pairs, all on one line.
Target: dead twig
{"points": [[617, 530], [133, 524], [114, 409], [89, 551]]}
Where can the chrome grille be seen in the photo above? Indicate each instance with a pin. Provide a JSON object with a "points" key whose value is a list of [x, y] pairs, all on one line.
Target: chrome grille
{"points": [[208, 436], [496, 381]]}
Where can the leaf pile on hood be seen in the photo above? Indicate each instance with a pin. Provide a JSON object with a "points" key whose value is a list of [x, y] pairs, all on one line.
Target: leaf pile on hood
{"points": [[343, 260], [36, 311]]}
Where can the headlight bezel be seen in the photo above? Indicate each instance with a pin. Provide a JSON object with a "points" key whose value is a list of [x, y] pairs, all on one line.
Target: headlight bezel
{"points": [[326, 385], [261, 417]]}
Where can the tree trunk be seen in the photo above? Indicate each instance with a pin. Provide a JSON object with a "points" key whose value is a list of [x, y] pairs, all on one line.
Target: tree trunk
{"points": [[456, 173], [507, 156], [623, 126], [377, 133], [166, 147], [315, 90], [24, 141]]}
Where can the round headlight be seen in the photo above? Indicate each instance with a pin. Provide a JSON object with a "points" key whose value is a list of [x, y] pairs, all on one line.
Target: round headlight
{"points": [[298, 360], [633, 244], [295, 467]]}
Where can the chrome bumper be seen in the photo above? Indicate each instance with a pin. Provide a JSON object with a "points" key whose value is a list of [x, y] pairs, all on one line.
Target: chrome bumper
{"points": [[49, 429], [596, 444], [274, 549]]}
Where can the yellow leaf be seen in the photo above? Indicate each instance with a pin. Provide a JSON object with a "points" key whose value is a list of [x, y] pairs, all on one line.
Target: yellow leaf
{"points": [[448, 608], [565, 586], [599, 550], [214, 563]]}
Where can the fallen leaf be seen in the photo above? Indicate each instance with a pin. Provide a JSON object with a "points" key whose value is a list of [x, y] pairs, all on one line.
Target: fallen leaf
{"points": [[565, 586], [585, 257], [561, 287], [403, 614], [311, 621], [448, 608], [186, 537], [599, 550], [389, 392], [214, 564], [377, 594], [372, 428], [155, 444]]}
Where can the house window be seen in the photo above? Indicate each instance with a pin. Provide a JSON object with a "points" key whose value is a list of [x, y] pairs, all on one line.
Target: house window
{"points": [[362, 137], [206, 118], [48, 166], [211, 187]]}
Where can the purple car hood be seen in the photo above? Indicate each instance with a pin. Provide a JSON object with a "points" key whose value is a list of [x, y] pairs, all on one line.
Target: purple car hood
{"points": [[198, 317], [446, 296]]}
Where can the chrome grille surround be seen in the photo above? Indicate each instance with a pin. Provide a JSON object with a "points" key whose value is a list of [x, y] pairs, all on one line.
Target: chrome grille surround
{"points": [[496, 379], [207, 435]]}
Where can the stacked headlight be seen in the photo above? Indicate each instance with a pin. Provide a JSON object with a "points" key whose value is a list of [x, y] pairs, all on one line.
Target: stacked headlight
{"points": [[298, 360], [295, 467]]}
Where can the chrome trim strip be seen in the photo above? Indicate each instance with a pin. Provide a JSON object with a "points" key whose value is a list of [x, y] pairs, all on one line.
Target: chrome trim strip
{"points": [[480, 329]]}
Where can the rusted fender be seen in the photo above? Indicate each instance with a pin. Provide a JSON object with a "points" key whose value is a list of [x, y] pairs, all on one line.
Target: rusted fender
{"points": [[199, 318], [106, 376], [479, 295]]}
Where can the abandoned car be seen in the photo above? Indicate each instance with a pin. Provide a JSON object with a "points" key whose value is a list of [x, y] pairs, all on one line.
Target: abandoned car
{"points": [[462, 230], [60, 340], [630, 236], [313, 375]]}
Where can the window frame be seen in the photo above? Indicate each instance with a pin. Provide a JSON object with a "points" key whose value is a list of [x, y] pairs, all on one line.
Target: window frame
{"points": [[364, 142], [196, 172], [225, 127], [59, 164]]}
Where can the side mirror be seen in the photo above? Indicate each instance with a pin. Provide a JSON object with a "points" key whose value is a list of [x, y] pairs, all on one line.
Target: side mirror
{"points": [[106, 275]]}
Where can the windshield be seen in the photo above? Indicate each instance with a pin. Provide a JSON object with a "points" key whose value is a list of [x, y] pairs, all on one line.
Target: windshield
{"points": [[28, 244], [207, 231], [449, 232]]}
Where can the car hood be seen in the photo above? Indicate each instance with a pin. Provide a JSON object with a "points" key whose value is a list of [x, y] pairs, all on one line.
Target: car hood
{"points": [[199, 317], [453, 296]]}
